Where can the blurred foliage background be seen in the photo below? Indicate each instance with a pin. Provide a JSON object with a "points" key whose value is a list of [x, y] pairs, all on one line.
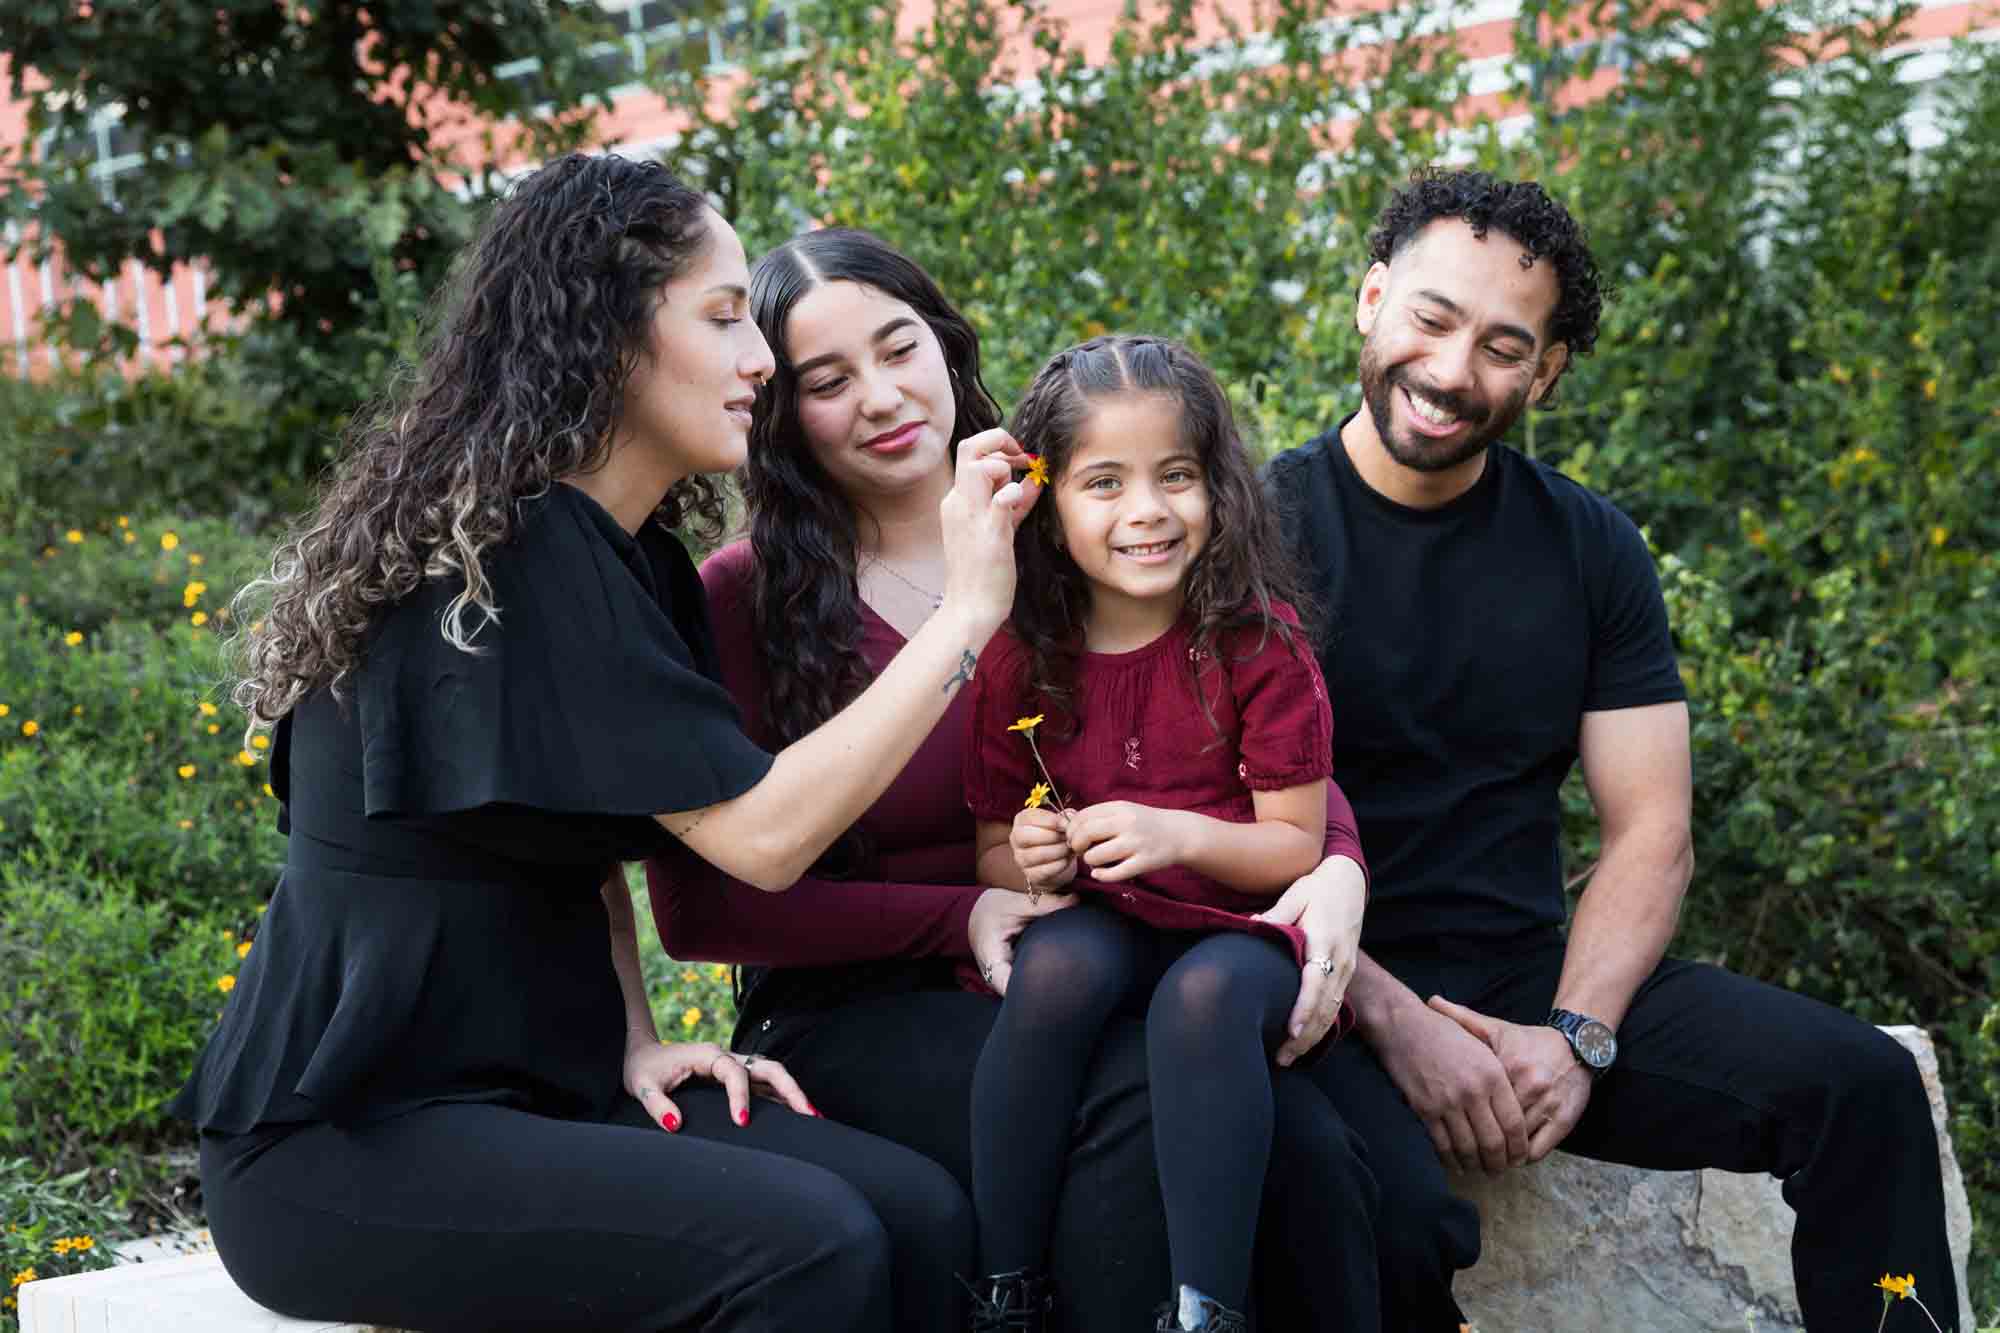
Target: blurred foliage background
{"points": [[1797, 394]]}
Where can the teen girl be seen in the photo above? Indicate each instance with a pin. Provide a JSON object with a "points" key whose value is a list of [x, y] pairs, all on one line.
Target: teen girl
{"points": [[1158, 707]]}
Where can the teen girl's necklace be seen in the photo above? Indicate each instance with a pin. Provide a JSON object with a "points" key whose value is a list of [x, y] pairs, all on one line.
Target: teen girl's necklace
{"points": [[936, 599]]}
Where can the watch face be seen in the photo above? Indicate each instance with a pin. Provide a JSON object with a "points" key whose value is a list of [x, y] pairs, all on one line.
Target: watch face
{"points": [[1595, 1044]]}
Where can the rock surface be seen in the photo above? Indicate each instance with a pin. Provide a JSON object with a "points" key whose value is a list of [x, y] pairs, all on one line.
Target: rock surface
{"points": [[1576, 1246]]}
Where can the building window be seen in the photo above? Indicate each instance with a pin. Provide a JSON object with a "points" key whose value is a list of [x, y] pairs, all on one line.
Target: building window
{"points": [[664, 33]]}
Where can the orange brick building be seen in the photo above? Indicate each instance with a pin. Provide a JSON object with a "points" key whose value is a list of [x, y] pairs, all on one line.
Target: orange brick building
{"points": [[165, 314]]}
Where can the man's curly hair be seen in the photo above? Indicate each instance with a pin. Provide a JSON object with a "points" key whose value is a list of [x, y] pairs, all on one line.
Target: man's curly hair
{"points": [[1521, 210]]}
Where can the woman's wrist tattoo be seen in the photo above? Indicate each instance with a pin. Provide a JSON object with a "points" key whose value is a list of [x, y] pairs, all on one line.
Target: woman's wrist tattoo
{"points": [[966, 662]]}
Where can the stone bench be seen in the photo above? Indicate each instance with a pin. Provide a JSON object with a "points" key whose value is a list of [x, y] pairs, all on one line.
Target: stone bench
{"points": [[1570, 1246], [1575, 1246]]}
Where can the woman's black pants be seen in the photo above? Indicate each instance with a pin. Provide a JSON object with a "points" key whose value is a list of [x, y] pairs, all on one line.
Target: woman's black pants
{"points": [[902, 1066], [479, 1217]]}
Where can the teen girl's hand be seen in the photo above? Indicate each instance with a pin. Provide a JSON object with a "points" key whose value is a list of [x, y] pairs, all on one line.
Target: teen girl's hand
{"points": [[1040, 842], [1326, 903], [998, 918], [1120, 839], [980, 513], [654, 1069]]}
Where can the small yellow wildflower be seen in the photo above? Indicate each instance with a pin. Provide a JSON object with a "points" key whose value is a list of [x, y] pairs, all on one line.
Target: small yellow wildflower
{"points": [[214, 727], [4, 710], [131, 537], [1863, 455], [194, 558], [198, 619], [1900, 1287], [48, 551], [690, 1017], [30, 727], [24, 1276], [73, 638], [1038, 470], [245, 758], [1938, 538], [228, 935], [76, 710], [73, 537], [260, 742], [207, 708], [1930, 389], [243, 949], [1026, 723], [192, 593], [186, 771], [268, 791], [168, 541], [1036, 795], [124, 522], [225, 984], [688, 974], [186, 824]]}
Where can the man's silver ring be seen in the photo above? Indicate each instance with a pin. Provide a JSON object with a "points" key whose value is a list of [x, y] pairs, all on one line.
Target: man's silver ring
{"points": [[986, 973], [746, 1061], [1325, 965]]}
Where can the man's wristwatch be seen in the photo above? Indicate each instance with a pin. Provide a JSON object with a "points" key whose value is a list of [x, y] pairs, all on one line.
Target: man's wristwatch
{"points": [[1590, 1041]]}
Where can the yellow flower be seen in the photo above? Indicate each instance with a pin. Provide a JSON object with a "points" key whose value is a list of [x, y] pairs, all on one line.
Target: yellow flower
{"points": [[1038, 470], [1036, 795], [1901, 1287], [1026, 723], [198, 619], [690, 975], [168, 541], [124, 522], [30, 727], [260, 742], [1930, 389], [194, 559], [225, 984], [1863, 455], [73, 638], [228, 935], [268, 791], [214, 727], [4, 710], [130, 538], [690, 1017], [186, 771], [207, 708], [76, 710], [25, 1275], [192, 593], [720, 971], [186, 824], [1938, 538], [245, 758], [73, 537], [243, 949]]}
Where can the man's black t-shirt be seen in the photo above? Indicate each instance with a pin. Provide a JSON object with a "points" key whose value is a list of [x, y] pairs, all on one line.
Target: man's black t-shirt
{"points": [[1464, 645]]}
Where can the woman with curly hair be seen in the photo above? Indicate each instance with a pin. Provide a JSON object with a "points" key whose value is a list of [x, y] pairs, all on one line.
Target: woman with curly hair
{"points": [[854, 976], [436, 1099]]}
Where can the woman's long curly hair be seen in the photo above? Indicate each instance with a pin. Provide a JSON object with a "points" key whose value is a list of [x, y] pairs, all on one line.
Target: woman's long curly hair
{"points": [[1233, 581], [803, 528], [521, 382]]}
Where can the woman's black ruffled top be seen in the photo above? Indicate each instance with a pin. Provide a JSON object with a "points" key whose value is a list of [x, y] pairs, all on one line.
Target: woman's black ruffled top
{"points": [[437, 934]]}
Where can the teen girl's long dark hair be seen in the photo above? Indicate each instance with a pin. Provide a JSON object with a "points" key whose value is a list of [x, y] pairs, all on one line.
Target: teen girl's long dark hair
{"points": [[802, 527], [1236, 578]]}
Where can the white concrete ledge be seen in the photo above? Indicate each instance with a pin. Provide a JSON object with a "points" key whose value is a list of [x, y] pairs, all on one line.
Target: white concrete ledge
{"points": [[189, 1295]]}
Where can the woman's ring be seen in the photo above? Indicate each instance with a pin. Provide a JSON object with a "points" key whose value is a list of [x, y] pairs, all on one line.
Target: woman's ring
{"points": [[986, 972], [747, 1061], [1325, 965]]}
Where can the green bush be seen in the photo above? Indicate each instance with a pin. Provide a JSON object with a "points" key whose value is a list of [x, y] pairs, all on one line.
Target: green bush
{"points": [[54, 1228]]}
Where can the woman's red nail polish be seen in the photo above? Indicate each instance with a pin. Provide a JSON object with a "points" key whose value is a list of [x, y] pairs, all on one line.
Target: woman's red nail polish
{"points": [[671, 1121], [813, 1110], [743, 1116]]}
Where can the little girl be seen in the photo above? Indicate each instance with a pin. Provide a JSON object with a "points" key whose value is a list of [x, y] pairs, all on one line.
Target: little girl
{"points": [[1157, 707]]}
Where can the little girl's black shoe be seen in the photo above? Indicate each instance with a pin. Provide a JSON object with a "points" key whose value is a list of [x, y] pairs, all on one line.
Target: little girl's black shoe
{"points": [[1017, 1302], [1191, 1310]]}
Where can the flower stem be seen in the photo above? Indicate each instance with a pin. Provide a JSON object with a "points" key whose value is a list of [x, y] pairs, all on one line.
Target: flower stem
{"points": [[1927, 1311]]}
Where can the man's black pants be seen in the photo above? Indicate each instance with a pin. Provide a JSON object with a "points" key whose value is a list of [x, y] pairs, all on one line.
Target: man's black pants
{"points": [[1713, 1070]]}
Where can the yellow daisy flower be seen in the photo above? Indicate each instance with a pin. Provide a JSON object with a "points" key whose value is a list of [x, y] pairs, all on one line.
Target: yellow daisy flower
{"points": [[169, 540], [225, 984], [186, 771], [1026, 723], [1036, 795]]}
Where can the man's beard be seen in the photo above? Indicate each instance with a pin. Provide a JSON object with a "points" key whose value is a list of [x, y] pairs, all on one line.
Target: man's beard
{"points": [[1379, 385]]}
